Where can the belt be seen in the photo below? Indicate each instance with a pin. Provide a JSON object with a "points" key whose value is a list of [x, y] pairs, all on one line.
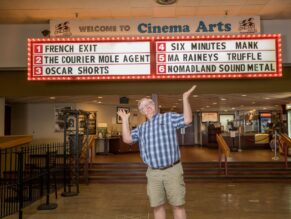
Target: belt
{"points": [[166, 167]]}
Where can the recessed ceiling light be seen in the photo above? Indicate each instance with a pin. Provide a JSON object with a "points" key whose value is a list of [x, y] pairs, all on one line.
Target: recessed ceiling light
{"points": [[267, 98], [99, 102], [214, 103], [233, 108], [52, 98], [207, 106], [100, 97], [222, 99], [174, 106], [195, 95], [160, 106], [243, 95]]}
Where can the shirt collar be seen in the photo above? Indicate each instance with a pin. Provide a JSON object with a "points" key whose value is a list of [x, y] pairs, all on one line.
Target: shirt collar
{"points": [[154, 116]]}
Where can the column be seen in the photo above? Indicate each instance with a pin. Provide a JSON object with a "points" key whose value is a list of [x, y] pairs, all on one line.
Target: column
{"points": [[2, 115], [155, 99]]}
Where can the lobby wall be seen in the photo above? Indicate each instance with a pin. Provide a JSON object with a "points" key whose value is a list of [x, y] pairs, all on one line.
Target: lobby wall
{"points": [[38, 120]]}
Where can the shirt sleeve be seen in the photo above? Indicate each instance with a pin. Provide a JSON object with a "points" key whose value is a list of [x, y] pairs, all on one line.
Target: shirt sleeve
{"points": [[178, 121], [135, 134]]}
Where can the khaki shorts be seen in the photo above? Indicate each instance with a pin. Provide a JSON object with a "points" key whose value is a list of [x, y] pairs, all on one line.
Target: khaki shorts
{"points": [[165, 185]]}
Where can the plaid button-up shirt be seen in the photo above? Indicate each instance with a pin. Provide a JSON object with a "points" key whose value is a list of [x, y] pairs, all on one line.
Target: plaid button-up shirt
{"points": [[157, 139]]}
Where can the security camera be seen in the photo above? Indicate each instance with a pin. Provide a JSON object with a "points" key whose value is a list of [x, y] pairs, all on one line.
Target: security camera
{"points": [[45, 33]]}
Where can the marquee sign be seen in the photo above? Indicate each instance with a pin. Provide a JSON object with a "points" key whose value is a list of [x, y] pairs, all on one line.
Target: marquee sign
{"points": [[150, 58]]}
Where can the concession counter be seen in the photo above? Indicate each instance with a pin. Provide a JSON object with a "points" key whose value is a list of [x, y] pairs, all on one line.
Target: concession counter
{"points": [[247, 141]]}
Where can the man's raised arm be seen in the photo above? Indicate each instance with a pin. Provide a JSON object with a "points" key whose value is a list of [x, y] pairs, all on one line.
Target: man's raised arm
{"points": [[126, 136], [187, 111]]}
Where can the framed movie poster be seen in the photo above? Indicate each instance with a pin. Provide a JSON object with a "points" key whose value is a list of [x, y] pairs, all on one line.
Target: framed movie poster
{"points": [[59, 120], [118, 118]]}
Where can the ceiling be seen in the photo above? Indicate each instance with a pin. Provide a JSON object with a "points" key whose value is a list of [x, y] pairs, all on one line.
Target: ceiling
{"points": [[38, 12]]}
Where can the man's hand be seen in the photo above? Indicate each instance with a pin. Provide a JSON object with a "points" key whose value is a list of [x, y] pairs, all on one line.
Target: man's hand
{"points": [[188, 92], [123, 114], [187, 111], [126, 136]]}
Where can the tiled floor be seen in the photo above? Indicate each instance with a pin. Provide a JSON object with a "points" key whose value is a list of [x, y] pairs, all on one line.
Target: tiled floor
{"points": [[209, 200], [204, 201]]}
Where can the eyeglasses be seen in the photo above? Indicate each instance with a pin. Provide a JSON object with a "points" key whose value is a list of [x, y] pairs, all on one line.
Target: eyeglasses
{"points": [[143, 106]]}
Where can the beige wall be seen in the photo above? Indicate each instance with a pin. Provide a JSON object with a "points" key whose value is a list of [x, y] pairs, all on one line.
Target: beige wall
{"points": [[39, 119]]}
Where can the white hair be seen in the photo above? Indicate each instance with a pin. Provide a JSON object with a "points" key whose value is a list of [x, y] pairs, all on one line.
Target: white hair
{"points": [[143, 100]]}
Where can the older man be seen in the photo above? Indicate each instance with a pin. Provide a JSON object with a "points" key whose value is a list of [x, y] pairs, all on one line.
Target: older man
{"points": [[160, 151]]}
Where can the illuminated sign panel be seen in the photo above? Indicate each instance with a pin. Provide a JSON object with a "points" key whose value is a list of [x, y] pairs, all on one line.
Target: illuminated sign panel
{"points": [[214, 57], [73, 60], [209, 117], [237, 56]]}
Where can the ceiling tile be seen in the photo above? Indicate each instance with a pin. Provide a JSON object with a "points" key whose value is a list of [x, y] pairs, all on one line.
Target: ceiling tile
{"points": [[251, 10], [142, 12], [258, 2], [233, 2], [185, 11], [142, 3], [210, 3], [119, 12], [190, 3], [211, 11], [164, 12]]}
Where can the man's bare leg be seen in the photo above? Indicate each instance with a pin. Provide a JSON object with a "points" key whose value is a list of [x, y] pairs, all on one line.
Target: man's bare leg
{"points": [[160, 212], [179, 212]]}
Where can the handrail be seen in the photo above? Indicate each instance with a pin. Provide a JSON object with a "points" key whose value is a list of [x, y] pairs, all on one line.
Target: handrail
{"points": [[286, 143], [223, 145], [286, 139], [222, 148], [10, 141], [86, 155]]}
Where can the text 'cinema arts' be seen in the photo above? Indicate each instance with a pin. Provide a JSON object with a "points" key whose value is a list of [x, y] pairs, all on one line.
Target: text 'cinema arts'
{"points": [[145, 28]]}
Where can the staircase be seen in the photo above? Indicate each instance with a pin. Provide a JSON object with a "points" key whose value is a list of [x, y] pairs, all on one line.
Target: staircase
{"points": [[193, 172]]}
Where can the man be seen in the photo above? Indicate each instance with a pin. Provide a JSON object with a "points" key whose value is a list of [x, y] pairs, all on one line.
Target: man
{"points": [[160, 151]]}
